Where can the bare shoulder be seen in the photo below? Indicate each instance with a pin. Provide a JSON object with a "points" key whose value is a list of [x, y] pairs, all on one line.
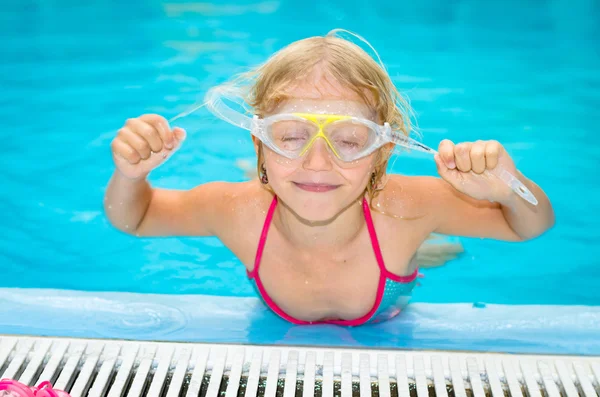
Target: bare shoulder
{"points": [[208, 209], [409, 197], [403, 220], [232, 204], [245, 199], [238, 218], [443, 209]]}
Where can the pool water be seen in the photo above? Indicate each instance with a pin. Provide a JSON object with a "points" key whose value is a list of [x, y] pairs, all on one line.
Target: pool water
{"points": [[523, 72]]}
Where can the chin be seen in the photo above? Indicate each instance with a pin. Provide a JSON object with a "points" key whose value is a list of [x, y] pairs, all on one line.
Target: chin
{"points": [[316, 207]]}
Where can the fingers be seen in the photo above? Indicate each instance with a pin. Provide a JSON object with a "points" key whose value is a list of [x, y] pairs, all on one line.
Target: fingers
{"points": [[462, 156], [492, 152], [148, 132], [442, 168], [123, 149], [179, 134], [142, 136], [470, 156], [446, 152], [162, 126], [477, 157], [136, 141]]}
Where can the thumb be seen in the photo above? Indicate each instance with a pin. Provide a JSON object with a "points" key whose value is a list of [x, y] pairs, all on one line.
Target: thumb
{"points": [[449, 175], [441, 167], [179, 134]]}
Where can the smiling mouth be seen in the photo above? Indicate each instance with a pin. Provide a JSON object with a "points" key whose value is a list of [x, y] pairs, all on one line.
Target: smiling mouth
{"points": [[316, 187]]}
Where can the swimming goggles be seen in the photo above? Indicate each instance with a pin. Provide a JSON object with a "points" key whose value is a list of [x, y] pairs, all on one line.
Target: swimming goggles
{"points": [[291, 135], [349, 138]]}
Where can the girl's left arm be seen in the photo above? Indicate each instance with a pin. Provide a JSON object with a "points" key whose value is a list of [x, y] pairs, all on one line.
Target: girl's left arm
{"points": [[471, 200], [527, 220]]}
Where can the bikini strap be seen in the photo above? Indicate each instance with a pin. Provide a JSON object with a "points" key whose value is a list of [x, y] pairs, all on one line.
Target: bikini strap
{"points": [[373, 235], [377, 249], [263, 238], [269, 218]]}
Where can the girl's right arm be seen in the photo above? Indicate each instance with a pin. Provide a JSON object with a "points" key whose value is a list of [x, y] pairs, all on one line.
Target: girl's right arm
{"points": [[134, 207]]}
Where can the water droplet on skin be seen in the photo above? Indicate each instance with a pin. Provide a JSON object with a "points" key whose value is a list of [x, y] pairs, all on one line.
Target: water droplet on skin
{"points": [[126, 226], [164, 155], [110, 207], [305, 281]]}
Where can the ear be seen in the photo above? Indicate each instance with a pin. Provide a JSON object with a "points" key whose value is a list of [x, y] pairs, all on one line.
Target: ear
{"points": [[256, 143], [384, 153]]}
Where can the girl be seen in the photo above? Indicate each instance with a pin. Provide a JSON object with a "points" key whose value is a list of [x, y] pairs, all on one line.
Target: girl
{"points": [[324, 233]]}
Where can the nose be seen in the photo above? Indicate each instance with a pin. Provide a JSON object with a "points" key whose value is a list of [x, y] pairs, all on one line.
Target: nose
{"points": [[317, 157]]}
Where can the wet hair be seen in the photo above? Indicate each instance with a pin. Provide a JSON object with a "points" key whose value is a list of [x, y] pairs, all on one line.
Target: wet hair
{"points": [[264, 87]]}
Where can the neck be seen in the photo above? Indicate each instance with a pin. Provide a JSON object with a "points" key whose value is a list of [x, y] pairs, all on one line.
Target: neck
{"points": [[330, 234]]}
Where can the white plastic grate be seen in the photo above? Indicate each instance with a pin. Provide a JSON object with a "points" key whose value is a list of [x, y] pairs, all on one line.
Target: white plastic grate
{"points": [[110, 368]]}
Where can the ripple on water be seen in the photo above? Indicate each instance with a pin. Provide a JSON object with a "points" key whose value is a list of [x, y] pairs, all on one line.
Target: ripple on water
{"points": [[139, 319], [122, 317]]}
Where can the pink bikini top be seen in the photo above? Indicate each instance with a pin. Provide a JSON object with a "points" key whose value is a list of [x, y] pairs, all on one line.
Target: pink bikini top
{"points": [[392, 291]]}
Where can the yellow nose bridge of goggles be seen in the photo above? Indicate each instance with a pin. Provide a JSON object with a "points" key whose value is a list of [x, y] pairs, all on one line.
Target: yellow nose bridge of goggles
{"points": [[321, 120]]}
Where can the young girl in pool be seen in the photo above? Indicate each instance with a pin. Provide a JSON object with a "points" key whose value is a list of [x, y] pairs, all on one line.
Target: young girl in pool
{"points": [[324, 233]]}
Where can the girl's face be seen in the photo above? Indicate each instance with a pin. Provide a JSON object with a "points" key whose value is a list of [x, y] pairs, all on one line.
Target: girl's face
{"points": [[318, 186]]}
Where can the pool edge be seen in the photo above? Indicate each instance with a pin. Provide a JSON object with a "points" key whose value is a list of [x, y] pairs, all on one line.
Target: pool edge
{"points": [[524, 329]]}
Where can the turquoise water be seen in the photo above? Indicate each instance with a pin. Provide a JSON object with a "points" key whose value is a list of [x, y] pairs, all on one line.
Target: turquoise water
{"points": [[524, 73]]}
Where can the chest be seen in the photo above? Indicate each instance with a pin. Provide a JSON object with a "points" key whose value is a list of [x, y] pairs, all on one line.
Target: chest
{"points": [[339, 285], [324, 285], [317, 284]]}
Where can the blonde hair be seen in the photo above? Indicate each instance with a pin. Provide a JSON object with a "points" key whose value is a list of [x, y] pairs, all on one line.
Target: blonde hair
{"points": [[349, 65]]}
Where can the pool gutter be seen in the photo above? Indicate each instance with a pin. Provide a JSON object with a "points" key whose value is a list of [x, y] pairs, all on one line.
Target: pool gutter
{"points": [[115, 368]]}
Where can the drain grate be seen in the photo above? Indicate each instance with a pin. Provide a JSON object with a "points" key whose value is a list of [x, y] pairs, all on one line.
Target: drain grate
{"points": [[110, 368]]}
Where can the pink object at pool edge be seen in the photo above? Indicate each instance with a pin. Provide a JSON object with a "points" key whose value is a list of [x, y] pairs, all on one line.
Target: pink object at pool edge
{"points": [[44, 389]]}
